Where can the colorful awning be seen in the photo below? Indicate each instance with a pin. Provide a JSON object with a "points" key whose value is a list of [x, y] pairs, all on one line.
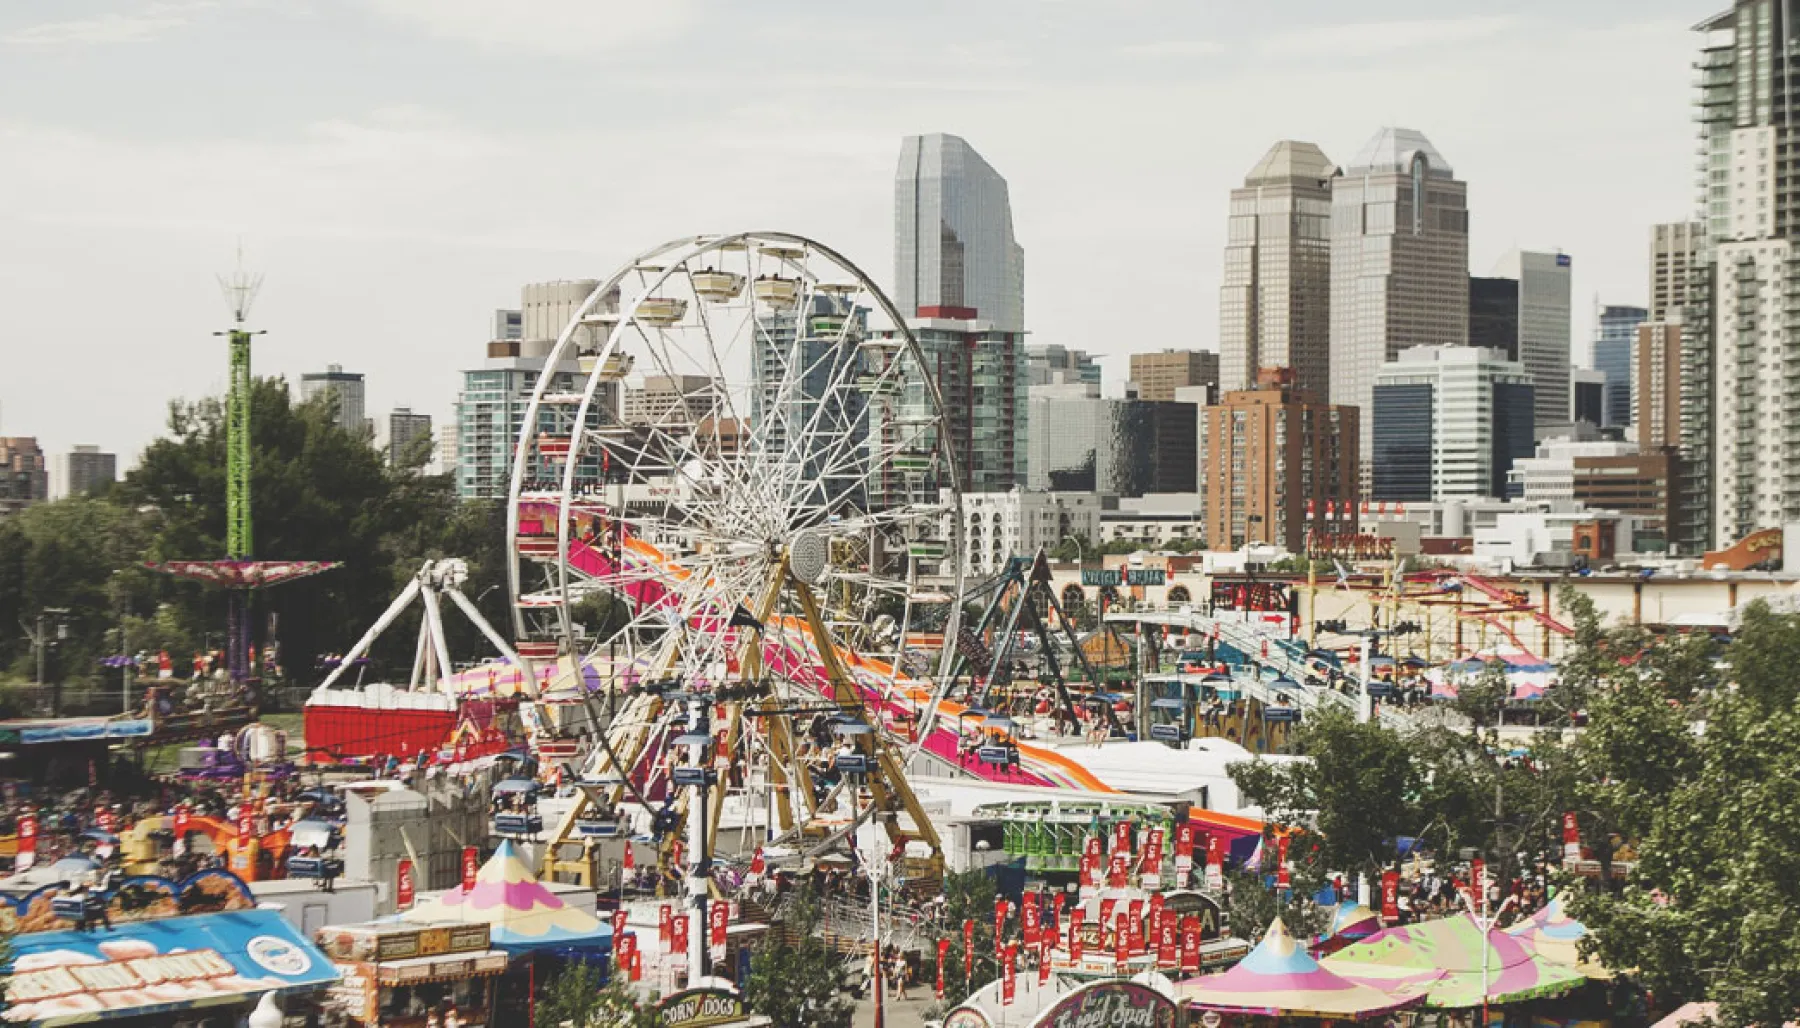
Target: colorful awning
{"points": [[523, 915], [1279, 979], [1454, 948]]}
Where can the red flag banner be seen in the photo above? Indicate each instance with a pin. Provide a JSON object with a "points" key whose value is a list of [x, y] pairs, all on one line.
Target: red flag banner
{"points": [[1390, 896], [1121, 942], [1281, 862], [1134, 923], [999, 924], [1117, 872], [1028, 920], [630, 859], [1168, 948], [403, 885], [1190, 943], [1009, 981], [1215, 863], [1075, 940], [678, 933], [1151, 866], [968, 950], [618, 925], [943, 951], [1121, 837], [471, 866], [663, 915], [1044, 961], [1571, 836], [721, 920]]}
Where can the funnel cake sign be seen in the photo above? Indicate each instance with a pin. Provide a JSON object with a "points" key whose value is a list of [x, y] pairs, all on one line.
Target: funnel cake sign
{"points": [[1112, 1005]]}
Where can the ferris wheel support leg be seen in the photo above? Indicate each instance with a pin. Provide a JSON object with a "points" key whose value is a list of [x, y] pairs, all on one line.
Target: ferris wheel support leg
{"points": [[436, 617], [468, 608], [381, 625], [421, 654]]}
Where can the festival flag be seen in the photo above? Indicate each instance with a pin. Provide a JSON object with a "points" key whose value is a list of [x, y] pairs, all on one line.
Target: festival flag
{"points": [[1281, 863], [1184, 853], [1168, 950], [757, 864], [999, 923], [1009, 981], [675, 853], [968, 950], [1056, 905], [626, 947], [1134, 920], [1121, 943], [1106, 911], [1571, 837], [721, 923], [1478, 883], [1215, 862], [618, 924], [1150, 868], [471, 865], [1118, 873], [678, 933], [943, 951], [1156, 915], [637, 965], [27, 846], [1075, 939], [1028, 919], [1390, 896], [404, 889], [663, 916], [630, 860], [1190, 943], [1044, 962], [1121, 839]]}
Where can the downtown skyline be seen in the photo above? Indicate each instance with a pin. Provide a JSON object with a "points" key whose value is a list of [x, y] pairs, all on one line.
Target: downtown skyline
{"points": [[390, 215]]}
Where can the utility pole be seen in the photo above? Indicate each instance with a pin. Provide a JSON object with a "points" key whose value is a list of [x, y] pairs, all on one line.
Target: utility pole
{"points": [[40, 642]]}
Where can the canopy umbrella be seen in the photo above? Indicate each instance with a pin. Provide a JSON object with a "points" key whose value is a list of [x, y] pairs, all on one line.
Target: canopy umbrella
{"points": [[1279, 979], [1553, 934], [522, 915], [1455, 946]]}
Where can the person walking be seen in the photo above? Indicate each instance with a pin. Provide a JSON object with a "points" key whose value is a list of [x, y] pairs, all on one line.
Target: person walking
{"points": [[898, 973]]}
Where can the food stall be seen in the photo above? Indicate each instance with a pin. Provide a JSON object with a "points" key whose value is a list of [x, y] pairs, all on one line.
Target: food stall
{"points": [[397, 974]]}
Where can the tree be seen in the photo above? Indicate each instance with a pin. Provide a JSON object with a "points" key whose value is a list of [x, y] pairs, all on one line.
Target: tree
{"points": [[576, 996], [1712, 910], [801, 983], [968, 896]]}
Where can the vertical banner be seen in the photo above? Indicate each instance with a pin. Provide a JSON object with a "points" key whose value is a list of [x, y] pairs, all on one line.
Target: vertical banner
{"points": [[1190, 943], [721, 921], [1117, 871], [625, 945], [1168, 949], [1121, 943], [630, 861], [1075, 942], [678, 933], [1009, 976], [404, 889], [471, 866], [637, 964], [1056, 905], [999, 924], [1571, 837], [1106, 912], [183, 821], [1028, 920], [28, 833], [1478, 884], [1215, 863], [618, 924], [1282, 880], [675, 853], [663, 914], [1390, 896], [1156, 916], [968, 951], [1134, 923], [1090, 865], [246, 821], [1150, 868], [1044, 961], [1121, 839], [943, 951]]}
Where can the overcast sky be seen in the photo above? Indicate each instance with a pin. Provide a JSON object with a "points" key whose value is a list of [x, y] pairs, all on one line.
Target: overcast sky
{"points": [[397, 168]]}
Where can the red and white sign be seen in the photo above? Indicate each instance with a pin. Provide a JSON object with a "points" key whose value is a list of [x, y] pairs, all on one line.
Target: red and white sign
{"points": [[1168, 947], [1215, 863], [1028, 919], [1184, 853], [1009, 981], [720, 915], [1190, 943], [471, 866], [968, 949], [618, 926], [1281, 863], [943, 951], [1121, 839], [663, 913], [1150, 867], [1117, 871], [675, 853], [627, 945], [28, 833], [1390, 896], [246, 821], [1571, 836], [1134, 923], [678, 933], [1106, 911], [630, 859], [1121, 942], [404, 890], [1075, 940]]}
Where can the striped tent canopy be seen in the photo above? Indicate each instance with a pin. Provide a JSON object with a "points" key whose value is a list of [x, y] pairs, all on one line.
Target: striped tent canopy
{"points": [[1279, 979], [1554, 935], [1454, 946], [523, 915]]}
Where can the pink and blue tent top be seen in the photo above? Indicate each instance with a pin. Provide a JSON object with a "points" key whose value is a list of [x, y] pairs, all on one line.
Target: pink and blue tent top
{"points": [[1280, 979], [1555, 936], [1529, 676], [1464, 958], [522, 915]]}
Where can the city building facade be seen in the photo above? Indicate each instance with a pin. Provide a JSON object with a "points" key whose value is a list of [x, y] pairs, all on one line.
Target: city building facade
{"points": [[1545, 281], [1615, 339], [1658, 396], [345, 388], [1587, 396], [24, 477], [1449, 422], [981, 378], [804, 362], [1631, 483], [1279, 462], [1017, 522], [1548, 475], [1494, 315], [1158, 375], [672, 400], [1680, 296], [1052, 364], [1275, 303], [954, 249], [1155, 522], [405, 429], [82, 469], [1115, 447], [1399, 262]]}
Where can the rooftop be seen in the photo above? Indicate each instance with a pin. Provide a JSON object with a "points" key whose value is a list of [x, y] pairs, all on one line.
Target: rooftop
{"points": [[1290, 159], [1392, 149]]}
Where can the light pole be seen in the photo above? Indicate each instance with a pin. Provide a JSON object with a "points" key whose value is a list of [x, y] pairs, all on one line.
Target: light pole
{"points": [[1365, 704]]}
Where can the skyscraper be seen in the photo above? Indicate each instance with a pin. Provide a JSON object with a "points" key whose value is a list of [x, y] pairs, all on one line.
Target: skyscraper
{"points": [[1117, 447], [1399, 262], [954, 251], [346, 391], [1494, 315], [1275, 305], [804, 359], [1449, 422], [24, 478], [81, 469], [1158, 375], [1276, 455], [1657, 408], [1680, 316], [404, 430], [1051, 364], [1614, 342], [1751, 209], [1544, 319]]}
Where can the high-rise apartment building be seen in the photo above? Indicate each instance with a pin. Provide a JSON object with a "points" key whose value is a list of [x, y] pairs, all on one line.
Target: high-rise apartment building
{"points": [[1275, 304], [1544, 322], [673, 400], [805, 361], [1115, 447], [1399, 261], [1051, 364], [1449, 423], [1274, 455], [1680, 308], [508, 324], [405, 429], [77, 472], [1657, 410], [980, 373], [345, 388], [24, 478], [1615, 339], [954, 251], [1158, 375], [1751, 210], [1587, 396]]}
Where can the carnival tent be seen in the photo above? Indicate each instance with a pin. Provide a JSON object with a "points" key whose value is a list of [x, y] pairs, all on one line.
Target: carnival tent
{"points": [[1455, 946], [1529, 676], [524, 917], [1553, 934], [1350, 922], [1279, 979]]}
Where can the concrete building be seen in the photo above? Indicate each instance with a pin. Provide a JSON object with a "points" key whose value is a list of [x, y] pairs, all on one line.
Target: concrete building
{"points": [[1544, 324], [1015, 523], [668, 400], [1680, 296], [1274, 454], [806, 364], [980, 374], [345, 388], [1548, 475], [1657, 398], [1638, 484], [1158, 375], [24, 478], [80, 470], [1052, 364], [1675, 250], [1614, 340], [1494, 315], [954, 251], [1399, 262], [508, 324], [1157, 521], [1115, 447], [1275, 304], [1751, 211], [1449, 421], [405, 429], [1561, 540], [1587, 396]]}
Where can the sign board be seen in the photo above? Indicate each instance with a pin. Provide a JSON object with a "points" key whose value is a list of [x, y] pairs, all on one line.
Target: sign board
{"points": [[1252, 596], [1348, 546], [1146, 576], [1100, 576], [1179, 905], [401, 942], [701, 1008], [1113, 1004], [1753, 549]]}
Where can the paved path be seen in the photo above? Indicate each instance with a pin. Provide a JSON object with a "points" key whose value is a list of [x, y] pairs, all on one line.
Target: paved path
{"points": [[905, 1013]]}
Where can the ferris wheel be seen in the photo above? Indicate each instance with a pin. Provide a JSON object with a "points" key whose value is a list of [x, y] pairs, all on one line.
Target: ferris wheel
{"points": [[735, 464]]}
